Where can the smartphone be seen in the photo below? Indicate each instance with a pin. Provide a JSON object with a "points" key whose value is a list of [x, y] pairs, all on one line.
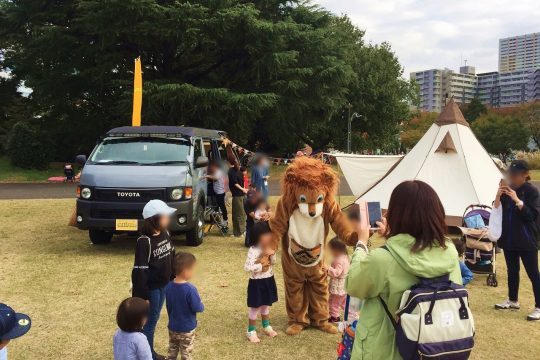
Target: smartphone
{"points": [[374, 213], [370, 213]]}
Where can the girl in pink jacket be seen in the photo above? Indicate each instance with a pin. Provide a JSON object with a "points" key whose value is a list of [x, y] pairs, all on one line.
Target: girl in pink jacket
{"points": [[337, 273]]}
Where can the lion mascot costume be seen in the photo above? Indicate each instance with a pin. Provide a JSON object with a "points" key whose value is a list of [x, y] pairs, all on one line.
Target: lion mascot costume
{"points": [[303, 217]]}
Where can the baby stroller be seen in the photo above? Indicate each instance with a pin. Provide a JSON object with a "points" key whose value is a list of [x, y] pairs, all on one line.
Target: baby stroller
{"points": [[480, 251]]}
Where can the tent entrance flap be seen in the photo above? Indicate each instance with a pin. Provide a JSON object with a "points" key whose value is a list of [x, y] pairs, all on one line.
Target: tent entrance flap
{"points": [[364, 171], [447, 144]]}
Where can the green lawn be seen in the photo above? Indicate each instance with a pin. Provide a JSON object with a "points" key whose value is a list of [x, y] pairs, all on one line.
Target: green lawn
{"points": [[71, 289], [12, 174]]}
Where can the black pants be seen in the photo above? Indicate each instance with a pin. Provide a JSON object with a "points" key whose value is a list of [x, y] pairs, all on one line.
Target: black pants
{"points": [[530, 263], [220, 199]]}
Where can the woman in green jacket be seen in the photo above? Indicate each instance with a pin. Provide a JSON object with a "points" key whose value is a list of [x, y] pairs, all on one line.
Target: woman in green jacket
{"points": [[416, 247]]}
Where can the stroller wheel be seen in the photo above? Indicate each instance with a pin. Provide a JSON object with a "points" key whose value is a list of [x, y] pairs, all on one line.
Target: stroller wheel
{"points": [[492, 280]]}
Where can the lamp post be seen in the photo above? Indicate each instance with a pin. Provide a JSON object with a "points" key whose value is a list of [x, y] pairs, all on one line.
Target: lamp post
{"points": [[349, 126]]}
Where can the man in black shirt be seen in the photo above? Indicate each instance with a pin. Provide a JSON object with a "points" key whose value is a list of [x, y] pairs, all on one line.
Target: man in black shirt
{"points": [[236, 185]]}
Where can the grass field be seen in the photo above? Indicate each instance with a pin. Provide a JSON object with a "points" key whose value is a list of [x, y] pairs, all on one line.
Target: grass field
{"points": [[12, 174], [71, 289]]}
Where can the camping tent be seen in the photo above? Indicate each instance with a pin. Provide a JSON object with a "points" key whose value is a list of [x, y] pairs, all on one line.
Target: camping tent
{"points": [[364, 171], [450, 159]]}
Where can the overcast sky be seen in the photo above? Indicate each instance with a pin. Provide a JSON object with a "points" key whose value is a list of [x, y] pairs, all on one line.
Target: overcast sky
{"points": [[427, 34]]}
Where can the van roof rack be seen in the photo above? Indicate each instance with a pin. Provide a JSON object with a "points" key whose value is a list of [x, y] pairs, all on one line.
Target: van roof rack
{"points": [[167, 131]]}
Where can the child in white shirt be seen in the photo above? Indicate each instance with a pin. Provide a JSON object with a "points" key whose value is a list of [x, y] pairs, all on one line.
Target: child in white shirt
{"points": [[262, 290]]}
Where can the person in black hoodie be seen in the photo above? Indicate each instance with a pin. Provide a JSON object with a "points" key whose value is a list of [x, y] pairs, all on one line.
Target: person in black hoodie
{"points": [[521, 207], [154, 262]]}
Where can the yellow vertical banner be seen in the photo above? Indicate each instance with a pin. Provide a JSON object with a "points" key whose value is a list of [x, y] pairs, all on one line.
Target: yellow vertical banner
{"points": [[137, 94]]}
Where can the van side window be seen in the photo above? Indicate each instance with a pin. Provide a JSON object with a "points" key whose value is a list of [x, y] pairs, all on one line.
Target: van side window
{"points": [[197, 148], [222, 152], [208, 150]]}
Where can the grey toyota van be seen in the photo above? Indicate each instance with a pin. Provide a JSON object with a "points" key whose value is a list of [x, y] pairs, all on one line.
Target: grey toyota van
{"points": [[131, 165]]}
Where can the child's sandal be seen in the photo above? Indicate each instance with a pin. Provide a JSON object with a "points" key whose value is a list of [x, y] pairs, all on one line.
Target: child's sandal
{"points": [[269, 331], [252, 337]]}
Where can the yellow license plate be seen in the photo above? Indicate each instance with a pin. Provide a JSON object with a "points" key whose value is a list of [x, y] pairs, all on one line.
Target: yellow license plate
{"points": [[127, 224]]}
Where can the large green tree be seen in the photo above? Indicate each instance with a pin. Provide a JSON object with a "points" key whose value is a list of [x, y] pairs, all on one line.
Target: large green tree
{"points": [[500, 134], [530, 117], [413, 130], [280, 72], [474, 110]]}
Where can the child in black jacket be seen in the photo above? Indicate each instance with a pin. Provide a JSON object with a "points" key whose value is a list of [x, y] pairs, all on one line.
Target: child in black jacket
{"points": [[153, 267]]}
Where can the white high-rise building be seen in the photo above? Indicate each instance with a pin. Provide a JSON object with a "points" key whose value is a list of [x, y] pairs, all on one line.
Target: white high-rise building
{"points": [[439, 85]]}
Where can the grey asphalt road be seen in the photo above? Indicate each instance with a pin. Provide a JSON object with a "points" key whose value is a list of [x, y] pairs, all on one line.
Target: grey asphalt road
{"points": [[66, 191]]}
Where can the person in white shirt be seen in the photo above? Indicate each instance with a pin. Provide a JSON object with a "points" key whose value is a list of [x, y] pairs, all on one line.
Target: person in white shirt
{"points": [[217, 177]]}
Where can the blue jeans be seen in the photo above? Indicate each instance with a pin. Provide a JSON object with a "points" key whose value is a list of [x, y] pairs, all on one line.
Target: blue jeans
{"points": [[265, 192], [156, 298]]}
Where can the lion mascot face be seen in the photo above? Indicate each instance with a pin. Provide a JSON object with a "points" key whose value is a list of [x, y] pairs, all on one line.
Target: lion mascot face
{"points": [[308, 185]]}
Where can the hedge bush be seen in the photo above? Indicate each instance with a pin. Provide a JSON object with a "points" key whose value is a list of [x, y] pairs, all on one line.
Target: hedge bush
{"points": [[26, 148]]}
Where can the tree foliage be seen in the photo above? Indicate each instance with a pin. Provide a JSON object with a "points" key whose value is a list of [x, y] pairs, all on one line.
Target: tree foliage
{"points": [[26, 148], [501, 134], [473, 110], [530, 117], [414, 129], [279, 72]]}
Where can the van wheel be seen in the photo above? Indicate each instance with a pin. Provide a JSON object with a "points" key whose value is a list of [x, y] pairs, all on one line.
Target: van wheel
{"points": [[99, 237], [194, 237]]}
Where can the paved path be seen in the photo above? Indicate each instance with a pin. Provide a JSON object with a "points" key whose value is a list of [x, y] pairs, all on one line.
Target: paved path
{"points": [[66, 191]]}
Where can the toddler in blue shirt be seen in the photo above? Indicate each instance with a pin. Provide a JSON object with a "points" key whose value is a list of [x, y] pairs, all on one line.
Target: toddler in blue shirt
{"points": [[183, 304], [466, 273]]}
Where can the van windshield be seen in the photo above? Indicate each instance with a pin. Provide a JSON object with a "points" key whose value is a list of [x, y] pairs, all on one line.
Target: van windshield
{"points": [[140, 151]]}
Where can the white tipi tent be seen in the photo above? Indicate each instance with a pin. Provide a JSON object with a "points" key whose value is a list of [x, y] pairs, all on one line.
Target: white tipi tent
{"points": [[450, 159]]}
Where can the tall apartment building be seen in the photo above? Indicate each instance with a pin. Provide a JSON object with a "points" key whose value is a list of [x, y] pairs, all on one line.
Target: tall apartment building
{"points": [[487, 88], [509, 88], [436, 85], [519, 52], [430, 87], [516, 82], [533, 86], [461, 86]]}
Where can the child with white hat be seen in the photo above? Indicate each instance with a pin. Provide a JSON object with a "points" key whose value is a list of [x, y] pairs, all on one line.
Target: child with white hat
{"points": [[153, 267]]}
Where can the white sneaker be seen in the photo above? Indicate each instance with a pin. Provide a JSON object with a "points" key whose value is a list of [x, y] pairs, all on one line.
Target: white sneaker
{"points": [[508, 305], [535, 315]]}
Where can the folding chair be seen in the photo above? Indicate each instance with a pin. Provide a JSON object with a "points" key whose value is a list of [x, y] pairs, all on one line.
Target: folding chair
{"points": [[214, 217]]}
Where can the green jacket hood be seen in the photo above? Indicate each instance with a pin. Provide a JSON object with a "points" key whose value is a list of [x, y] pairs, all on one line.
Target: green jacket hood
{"points": [[428, 263]]}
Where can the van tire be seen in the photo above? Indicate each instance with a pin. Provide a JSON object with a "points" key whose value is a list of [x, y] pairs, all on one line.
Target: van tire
{"points": [[100, 237], [194, 237]]}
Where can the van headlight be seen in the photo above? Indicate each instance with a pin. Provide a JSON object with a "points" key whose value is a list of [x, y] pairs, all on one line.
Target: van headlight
{"points": [[176, 194], [86, 193]]}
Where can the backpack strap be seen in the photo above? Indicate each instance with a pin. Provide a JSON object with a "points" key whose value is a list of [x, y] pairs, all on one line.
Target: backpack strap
{"points": [[346, 312], [385, 306]]}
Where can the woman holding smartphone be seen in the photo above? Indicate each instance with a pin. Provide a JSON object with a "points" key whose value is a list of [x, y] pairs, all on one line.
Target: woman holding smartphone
{"points": [[521, 208], [416, 247]]}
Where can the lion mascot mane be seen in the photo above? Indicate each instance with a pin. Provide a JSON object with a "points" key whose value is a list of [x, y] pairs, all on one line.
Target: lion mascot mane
{"points": [[304, 215]]}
